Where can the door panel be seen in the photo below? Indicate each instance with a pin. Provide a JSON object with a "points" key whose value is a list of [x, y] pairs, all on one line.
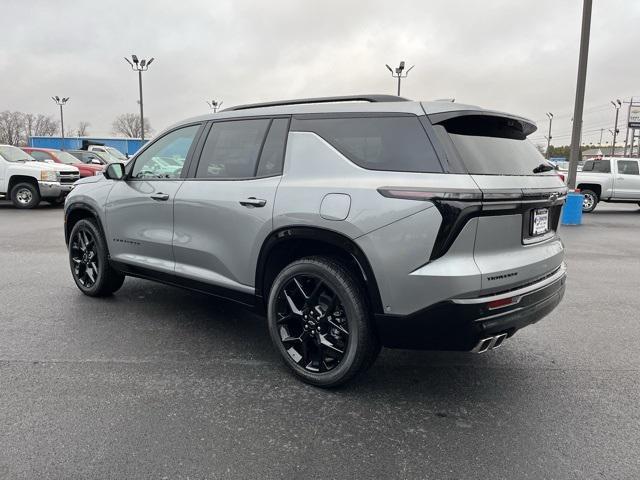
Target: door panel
{"points": [[627, 180], [224, 214], [140, 223], [216, 238], [139, 210]]}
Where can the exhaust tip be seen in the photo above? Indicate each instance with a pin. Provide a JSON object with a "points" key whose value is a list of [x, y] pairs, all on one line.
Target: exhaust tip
{"points": [[489, 343]]}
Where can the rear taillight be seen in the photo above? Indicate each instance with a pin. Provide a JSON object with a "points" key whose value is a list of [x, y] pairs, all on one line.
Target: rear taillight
{"points": [[411, 193]]}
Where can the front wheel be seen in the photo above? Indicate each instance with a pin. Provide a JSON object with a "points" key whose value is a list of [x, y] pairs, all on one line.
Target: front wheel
{"points": [[90, 262], [319, 322], [25, 195], [590, 201]]}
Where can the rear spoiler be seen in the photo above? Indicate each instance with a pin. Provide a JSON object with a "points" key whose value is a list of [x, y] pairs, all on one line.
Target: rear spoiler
{"points": [[527, 126]]}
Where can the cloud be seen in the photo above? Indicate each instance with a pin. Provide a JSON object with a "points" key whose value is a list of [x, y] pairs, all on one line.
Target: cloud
{"points": [[514, 56]]}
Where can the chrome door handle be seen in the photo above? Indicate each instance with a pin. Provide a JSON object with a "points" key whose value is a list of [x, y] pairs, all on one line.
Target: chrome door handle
{"points": [[160, 196], [253, 202]]}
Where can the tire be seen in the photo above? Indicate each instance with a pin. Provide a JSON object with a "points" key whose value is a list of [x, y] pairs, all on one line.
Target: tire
{"points": [[590, 201], [320, 323], [89, 261], [25, 195]]}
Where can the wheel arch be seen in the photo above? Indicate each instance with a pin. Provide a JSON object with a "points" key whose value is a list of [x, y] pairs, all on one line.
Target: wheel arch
{"points": [[15, 179], [291, 243], [594, 187], [76, 212]]}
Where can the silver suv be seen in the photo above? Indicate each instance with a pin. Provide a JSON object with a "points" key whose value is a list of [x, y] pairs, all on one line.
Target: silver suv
{"points": [[353, 222]]}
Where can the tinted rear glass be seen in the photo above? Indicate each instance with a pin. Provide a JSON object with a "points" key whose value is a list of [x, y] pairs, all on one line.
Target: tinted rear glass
{"points": [[493, 146], [377, 143], [600, 166]]}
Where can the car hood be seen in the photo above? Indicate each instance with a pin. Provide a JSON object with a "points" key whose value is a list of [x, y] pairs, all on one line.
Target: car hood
{"points": [[57, 167], [92, 179]]}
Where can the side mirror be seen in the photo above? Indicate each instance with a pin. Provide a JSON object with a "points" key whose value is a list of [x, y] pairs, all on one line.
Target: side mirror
{"points": [[95, 161], [48, 160], [114, 171]]}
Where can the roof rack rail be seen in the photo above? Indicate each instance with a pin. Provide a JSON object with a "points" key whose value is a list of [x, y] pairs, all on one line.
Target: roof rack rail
{"points": [[302, 101]]}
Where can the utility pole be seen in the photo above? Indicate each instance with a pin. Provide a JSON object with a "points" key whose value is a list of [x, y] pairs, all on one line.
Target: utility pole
{"points": [[214, 105], [550, 115], [626, 137], [398, 73], [580, 88], [61, 102], [600, 144], [617, 104], [140, 66]]}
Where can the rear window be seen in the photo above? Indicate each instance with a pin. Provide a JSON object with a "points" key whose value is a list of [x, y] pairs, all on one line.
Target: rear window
{"points": [[377, 143], [492, 145], [599, 166]]}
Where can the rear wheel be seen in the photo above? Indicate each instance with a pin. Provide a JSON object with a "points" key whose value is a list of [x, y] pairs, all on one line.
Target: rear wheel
{"points": [[319, 322], [25, 195], [590, 201], [89, 261]]}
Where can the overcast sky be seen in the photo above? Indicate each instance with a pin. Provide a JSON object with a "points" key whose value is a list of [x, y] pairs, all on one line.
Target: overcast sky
{"points": [[513, 55]]}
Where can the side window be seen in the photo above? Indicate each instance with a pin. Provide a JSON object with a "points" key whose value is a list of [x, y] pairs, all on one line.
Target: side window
{"points": [[272, 156], [232, 148], [602, 166], [165, 157], [628, 167], [40, 156], [588, 166], [378, 143]]}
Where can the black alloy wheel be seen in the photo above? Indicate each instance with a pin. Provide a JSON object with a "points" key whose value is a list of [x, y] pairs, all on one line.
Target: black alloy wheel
{"points": [[312, 323], [320, 323], [84, 257], [89, 260]]}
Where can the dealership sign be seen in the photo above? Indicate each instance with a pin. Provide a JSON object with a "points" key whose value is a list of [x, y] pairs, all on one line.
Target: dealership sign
{"points": [[634, 117]]}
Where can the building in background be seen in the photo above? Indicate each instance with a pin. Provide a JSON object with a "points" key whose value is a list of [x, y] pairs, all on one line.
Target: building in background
{"points": [[128, 146]]}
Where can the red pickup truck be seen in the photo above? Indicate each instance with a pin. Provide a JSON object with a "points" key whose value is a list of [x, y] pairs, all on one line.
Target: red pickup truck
{"points": [[58, 156]]}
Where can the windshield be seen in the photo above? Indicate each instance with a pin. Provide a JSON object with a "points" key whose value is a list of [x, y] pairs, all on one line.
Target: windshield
{"points": [[494, 146], [66, 158], [14, 154], [116, 153], [105, 156]]}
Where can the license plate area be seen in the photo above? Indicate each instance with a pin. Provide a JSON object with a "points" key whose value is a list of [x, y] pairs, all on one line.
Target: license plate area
{"points": [[539, 222]]}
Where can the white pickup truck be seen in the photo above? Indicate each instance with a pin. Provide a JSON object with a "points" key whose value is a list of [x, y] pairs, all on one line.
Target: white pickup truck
{"points": [[26, 181], [615, 180]]}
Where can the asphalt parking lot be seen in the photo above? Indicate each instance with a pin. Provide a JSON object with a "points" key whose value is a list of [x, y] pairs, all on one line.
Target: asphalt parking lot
{"points": [[157, 382]]}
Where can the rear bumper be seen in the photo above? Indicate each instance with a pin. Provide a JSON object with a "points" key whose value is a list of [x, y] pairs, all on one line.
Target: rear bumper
{"points": [[54, 189], [460, 324]]}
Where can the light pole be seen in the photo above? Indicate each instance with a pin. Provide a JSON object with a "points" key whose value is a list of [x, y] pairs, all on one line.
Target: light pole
{"points": [[140, 66], [576, 131], [399, 73], [214, 105], [617, 104], [550, 115], [61, 102]]}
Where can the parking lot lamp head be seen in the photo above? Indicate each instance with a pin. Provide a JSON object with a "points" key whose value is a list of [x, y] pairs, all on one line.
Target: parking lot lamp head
{"points": [[61, 102], [140, 65]]}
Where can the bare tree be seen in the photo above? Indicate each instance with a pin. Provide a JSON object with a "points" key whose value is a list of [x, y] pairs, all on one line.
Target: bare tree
{"points": [[39, 125], [82, 130], [12, 130], [128, 124]]}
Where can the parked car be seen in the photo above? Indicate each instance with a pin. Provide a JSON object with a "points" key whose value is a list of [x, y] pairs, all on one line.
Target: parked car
{"points": [[353, 225], [26, 181], [58, 156], [615, 180], [93, 158], [111, 151]]}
